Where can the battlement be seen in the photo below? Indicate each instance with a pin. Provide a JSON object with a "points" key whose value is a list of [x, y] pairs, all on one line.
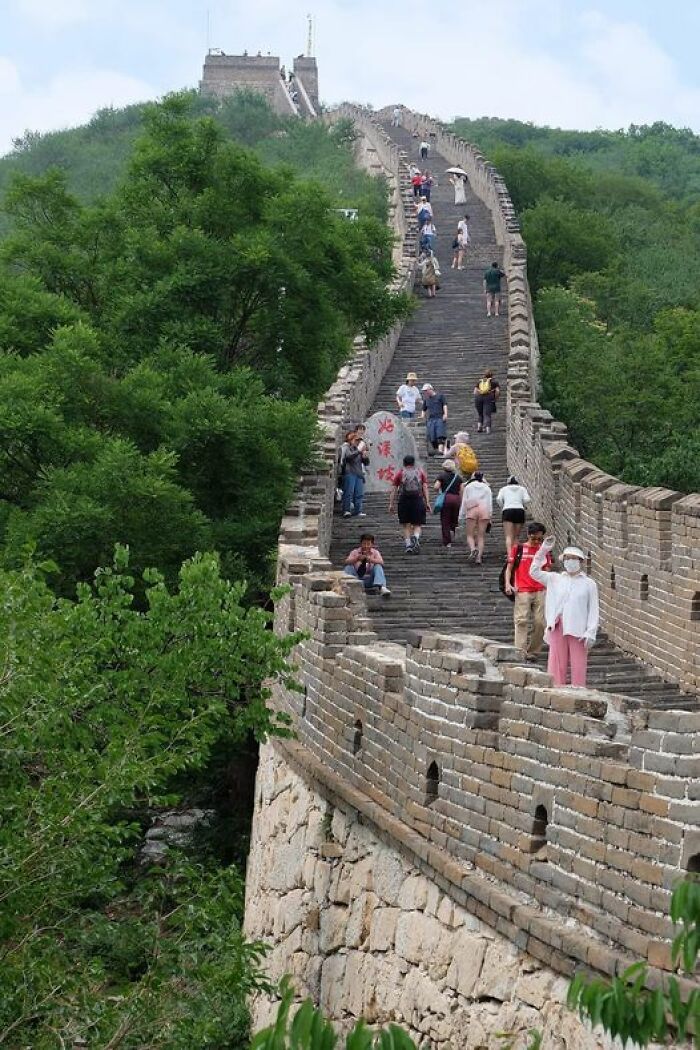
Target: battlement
{"points": [[223, 75], [580, 805]]}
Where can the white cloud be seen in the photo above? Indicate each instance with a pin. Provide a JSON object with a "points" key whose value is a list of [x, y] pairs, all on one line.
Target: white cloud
{"points": [[49, 14], [64, 101], [561, 63], [9, 77]]}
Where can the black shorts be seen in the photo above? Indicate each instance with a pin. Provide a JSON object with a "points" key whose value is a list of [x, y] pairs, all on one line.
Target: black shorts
{"points": [[411, 510], [516, 515]]}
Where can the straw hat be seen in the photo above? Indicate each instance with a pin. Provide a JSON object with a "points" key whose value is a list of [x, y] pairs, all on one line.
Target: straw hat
{"points": [[412, 375], [449, 464]]}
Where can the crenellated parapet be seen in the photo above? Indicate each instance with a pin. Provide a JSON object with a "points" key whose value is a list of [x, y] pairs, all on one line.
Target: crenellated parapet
{"points": [[561, 818]]}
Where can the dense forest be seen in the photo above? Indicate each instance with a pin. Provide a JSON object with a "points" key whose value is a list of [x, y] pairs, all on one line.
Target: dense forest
{"points": [[176, 291], [612, 225]]}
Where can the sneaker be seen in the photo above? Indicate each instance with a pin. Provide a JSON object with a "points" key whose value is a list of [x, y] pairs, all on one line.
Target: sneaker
{"points": [[384, 591], [447, 546], [415, 542], [473, 555], [487, 430], [409, 549], [479, 428], [347, 514], [362, 514], [479, 560]]}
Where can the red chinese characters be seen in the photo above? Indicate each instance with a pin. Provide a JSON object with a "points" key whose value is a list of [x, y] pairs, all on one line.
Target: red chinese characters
{"points": [[384, 449], [386, 473], [386, 425]]}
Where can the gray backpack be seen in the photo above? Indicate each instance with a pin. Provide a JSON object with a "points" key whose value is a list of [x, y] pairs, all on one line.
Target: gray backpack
{"points": [[411, 484]]}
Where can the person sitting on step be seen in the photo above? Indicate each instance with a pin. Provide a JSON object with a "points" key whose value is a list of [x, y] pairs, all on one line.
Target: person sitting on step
{"points": [[366, 563]]}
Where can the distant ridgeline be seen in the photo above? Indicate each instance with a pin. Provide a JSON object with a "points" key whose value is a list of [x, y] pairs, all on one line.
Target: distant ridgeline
{"points": [[296, 93]]}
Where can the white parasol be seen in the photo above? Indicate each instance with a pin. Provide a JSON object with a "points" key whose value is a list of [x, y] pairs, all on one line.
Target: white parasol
{"points": [[457, 171]]}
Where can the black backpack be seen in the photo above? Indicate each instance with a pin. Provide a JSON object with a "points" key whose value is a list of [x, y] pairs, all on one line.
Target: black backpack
{"points": [[502, 574]]}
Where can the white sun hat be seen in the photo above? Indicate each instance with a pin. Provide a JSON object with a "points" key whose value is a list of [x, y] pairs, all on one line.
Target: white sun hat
{"points": [[572, 552]]}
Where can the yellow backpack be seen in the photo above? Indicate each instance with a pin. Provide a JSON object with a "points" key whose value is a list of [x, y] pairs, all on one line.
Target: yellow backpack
{"points": [[467, 462], [484, 386]]}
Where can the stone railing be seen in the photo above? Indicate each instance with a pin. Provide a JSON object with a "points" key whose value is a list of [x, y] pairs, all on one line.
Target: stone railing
{"points": [[642, 544]]}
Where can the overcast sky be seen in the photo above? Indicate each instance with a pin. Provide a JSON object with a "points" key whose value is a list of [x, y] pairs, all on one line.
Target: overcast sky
{"points": [[571, 63]]}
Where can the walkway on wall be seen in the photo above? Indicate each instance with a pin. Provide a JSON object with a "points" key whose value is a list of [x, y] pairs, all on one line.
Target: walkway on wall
{"points": [[450, 341]]}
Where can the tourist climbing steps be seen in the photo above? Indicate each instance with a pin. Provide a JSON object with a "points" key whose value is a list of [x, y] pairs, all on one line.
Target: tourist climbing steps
{"points": [[449, 341]]}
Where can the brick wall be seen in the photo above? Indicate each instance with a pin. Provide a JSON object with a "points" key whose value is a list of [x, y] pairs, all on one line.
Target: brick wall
{"points": [[561, 818], [224, 75], [643, 544], [364, 933]]}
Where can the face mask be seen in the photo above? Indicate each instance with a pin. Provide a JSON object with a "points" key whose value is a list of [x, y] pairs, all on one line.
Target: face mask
{"points": [[572, 565]]}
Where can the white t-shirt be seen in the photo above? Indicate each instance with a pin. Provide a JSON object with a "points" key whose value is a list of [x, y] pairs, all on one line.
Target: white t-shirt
{"points": [[513, 497], [409, 396], [425, 145], [464, 230]]}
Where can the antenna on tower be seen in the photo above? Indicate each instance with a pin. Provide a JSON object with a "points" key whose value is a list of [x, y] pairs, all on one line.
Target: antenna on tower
{"points": [[310, 37]]}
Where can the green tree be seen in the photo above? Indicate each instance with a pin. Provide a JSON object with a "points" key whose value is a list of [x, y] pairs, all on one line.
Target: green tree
{"points": [[101, 706], [179, 333], [626, 1008], [563, 241], [309, 1030], [203, 247]]}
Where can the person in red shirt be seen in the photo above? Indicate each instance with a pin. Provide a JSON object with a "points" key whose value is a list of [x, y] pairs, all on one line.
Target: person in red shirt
{"points": [[528, 612], [410, 490], [416, 182]]}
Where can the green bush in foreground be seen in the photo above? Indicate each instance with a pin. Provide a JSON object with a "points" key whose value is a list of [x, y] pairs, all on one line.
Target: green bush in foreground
{"points": [[102, 706]]}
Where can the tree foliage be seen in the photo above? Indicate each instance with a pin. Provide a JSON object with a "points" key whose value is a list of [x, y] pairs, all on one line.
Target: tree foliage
{"points": [[165, 345], [309, 1030], [101, 706], [611, 222], [626, 1009]]}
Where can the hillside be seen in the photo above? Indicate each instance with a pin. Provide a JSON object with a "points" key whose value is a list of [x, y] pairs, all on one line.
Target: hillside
{"points": [[612, 224], [94, 157]]}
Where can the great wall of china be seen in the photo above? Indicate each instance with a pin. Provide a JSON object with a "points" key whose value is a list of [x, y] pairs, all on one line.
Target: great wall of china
{"points": [[448, 837]]}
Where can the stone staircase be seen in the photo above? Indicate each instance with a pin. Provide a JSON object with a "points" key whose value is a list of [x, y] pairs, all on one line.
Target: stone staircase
{"points": [[450, 341]]}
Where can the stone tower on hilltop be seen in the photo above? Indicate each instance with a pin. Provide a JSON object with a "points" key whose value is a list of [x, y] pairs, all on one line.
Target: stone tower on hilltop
{"points": [[223, 75]]}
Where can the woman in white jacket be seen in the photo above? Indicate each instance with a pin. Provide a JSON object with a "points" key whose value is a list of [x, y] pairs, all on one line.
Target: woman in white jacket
{"points": [[477, 508], [571, 613], [512, 499]]}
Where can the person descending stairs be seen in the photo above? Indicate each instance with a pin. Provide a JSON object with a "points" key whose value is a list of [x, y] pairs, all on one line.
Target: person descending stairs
{"points": [[450, 342]]}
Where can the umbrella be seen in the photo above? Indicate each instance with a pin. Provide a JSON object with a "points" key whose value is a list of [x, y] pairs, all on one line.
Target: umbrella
{"points": [[456, 171]]}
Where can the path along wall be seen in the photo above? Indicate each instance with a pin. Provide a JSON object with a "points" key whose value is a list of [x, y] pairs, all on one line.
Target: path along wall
{"points": [[560, 819], [642, 544]]}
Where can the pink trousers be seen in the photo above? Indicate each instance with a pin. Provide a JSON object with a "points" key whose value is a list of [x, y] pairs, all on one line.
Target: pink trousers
{"points": [[564, 649]]}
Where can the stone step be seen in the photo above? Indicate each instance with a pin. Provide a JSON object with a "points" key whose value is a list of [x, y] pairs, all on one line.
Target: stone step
{"points": [[450, 342]]}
